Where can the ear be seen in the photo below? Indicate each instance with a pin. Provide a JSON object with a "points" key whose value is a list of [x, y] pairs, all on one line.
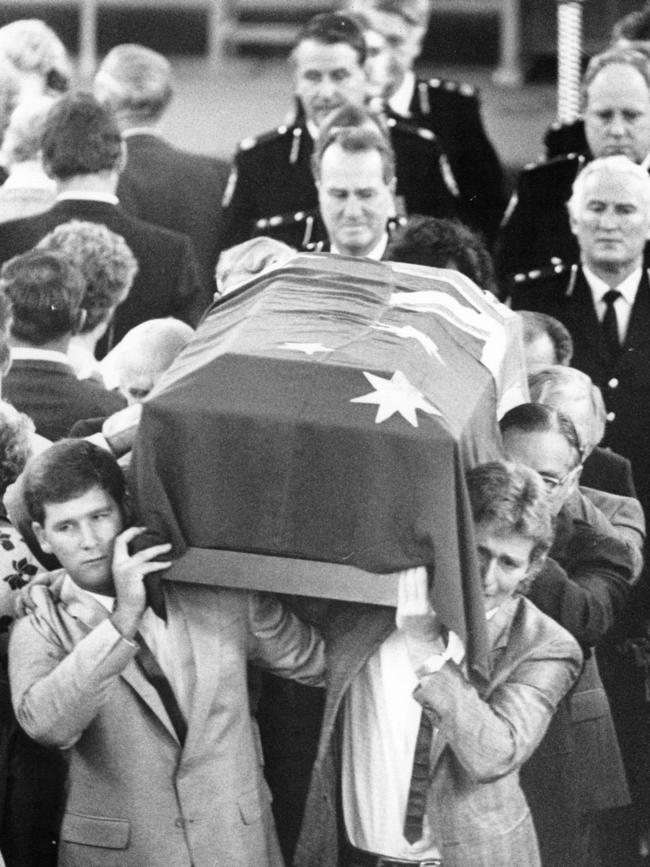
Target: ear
{"points": [[572, 221], [121, 163], [39, 532], [78, 320], [47, 168]]}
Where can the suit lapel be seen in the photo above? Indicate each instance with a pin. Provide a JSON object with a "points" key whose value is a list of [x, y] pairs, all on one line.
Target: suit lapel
{"points": [[584, 324]]}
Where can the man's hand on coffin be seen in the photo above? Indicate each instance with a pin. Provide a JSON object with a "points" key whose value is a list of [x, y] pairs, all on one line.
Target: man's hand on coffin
{"points": [[415, 617], [129, 571]]}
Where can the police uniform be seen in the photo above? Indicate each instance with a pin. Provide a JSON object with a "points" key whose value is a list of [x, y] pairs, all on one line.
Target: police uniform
{"points": [[562, 291], [561, 139], [536, 227], [271, 180], [323, 245], [452, 111]]}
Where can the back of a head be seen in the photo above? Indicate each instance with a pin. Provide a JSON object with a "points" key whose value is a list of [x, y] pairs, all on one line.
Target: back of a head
{"points": [[105, 261], [538, 418], [24, 135], [67, 470], [330, 28], [135, 82], [443, 243], [511, 498], [573, 393], [354, 131], [45, 291], [16, 435], [538, 325], [632, 28], [33, 47], [81, 137]]}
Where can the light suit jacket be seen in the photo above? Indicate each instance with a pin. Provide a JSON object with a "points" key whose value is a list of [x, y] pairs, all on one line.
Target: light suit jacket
{"points": [[136, 797], [486, 730]]}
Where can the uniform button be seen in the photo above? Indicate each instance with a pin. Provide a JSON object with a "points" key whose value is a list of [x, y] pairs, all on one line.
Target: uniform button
{"points": [[613, 383], [610, 416]]}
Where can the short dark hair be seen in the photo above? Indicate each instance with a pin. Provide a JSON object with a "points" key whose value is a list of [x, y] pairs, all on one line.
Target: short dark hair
{"points": [[81, 137], [538, 418], [512, 498], [105, 261], [45, 291], [330, 28], [537, 324], [443, 243], [69, 469], [355, 130]]}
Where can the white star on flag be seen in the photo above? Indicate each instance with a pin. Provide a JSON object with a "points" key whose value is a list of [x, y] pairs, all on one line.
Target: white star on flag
{"points": [[395, 395], [307, 348], [423, 339]]}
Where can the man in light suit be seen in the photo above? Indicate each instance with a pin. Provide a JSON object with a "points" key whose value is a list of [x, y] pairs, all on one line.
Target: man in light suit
{"points": [[165, 766], [161, 184], [384, 686], [83, 152]]}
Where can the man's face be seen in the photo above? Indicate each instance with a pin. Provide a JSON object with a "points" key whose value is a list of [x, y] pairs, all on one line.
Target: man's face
{"points": [[617, 116], [81, 533], [612, 221], [550, 455], [403, 40], [504, 562], [355, 200], [326, 77]]}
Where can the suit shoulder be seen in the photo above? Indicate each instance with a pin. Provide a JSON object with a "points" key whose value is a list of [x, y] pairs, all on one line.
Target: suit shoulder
{"points": [[534, 289], [153, 233], [404, 131], [541, 631]]}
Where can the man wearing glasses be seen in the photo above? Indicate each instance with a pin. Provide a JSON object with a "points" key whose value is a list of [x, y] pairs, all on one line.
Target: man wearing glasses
{"points": [[577, 772]]}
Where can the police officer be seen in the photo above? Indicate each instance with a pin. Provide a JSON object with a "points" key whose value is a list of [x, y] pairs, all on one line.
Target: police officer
{"points": [[536, 229], [271, 189]]}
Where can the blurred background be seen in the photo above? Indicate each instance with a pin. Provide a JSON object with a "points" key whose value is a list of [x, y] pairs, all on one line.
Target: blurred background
{"points": [[233, 80]]}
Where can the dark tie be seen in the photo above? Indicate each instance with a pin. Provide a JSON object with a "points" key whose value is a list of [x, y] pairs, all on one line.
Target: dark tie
{"points": [[610, 324], [151, 669], [417, 798]]}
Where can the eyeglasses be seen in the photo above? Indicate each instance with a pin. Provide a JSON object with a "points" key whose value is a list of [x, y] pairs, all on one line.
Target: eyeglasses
{"points": [[552, 484]]}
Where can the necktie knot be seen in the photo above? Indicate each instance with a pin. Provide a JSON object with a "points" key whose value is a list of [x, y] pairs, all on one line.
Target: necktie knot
{"points": [[611, 296]]}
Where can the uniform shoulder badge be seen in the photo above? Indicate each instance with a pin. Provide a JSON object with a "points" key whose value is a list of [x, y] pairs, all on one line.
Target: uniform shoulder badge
{"points": [[551, 269], [459, 87], [247, 144]]}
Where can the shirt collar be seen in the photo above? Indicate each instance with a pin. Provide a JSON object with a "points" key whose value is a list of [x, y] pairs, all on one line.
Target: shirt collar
{"points": [[35, 353], [376, 253], [107, 602], [628, 288], [140, 130], [400, 101], [84, 196]]}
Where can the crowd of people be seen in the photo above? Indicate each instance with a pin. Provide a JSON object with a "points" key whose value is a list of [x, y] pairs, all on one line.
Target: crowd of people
{"points": [[367, 740]]}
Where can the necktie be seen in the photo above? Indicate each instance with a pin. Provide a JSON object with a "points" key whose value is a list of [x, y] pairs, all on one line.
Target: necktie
{"points": [[151, 669], [417, 798], [610, 324]]}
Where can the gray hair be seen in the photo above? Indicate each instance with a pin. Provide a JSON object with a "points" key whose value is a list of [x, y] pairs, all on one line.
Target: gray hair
{"points": [[617, 164]]}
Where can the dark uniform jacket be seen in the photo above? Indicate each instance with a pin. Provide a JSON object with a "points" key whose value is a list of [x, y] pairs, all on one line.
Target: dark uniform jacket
{"points": [[561, 139], [50, 394], [452, 111], [178, 190], [167, 282], [625, 380], [271, 181]]}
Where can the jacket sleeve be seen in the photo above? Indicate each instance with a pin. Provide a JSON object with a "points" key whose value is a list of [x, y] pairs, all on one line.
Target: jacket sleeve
{"points": [[586, 588], [56, 693], [493, 736], [240, 209], [283, 643]]}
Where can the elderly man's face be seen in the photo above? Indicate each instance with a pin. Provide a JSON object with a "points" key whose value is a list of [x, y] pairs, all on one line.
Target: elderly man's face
{"points": [[549, 453], [326, 77], [617, 116], [355, 200], [612, 220]]}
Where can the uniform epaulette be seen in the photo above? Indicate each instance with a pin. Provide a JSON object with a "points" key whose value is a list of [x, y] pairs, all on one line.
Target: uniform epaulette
{"points": [[420, 131], [282, 220], [247, 144], [555, 266], [314, 247], [568, 160], [560, 124], [460, 87]]}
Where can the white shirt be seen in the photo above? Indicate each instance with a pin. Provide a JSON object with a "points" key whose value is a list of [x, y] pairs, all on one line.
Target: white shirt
{"points": [[85, 196], [35, 353], [376, 253], [622, 306], [174, 656], [400, 101]]}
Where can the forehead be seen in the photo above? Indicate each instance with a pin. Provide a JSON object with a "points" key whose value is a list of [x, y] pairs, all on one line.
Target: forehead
{"points": [[94, 499], [619, 85], [615, 187], [319, 56], [346, 170], [513, 545], [544, 451]]}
